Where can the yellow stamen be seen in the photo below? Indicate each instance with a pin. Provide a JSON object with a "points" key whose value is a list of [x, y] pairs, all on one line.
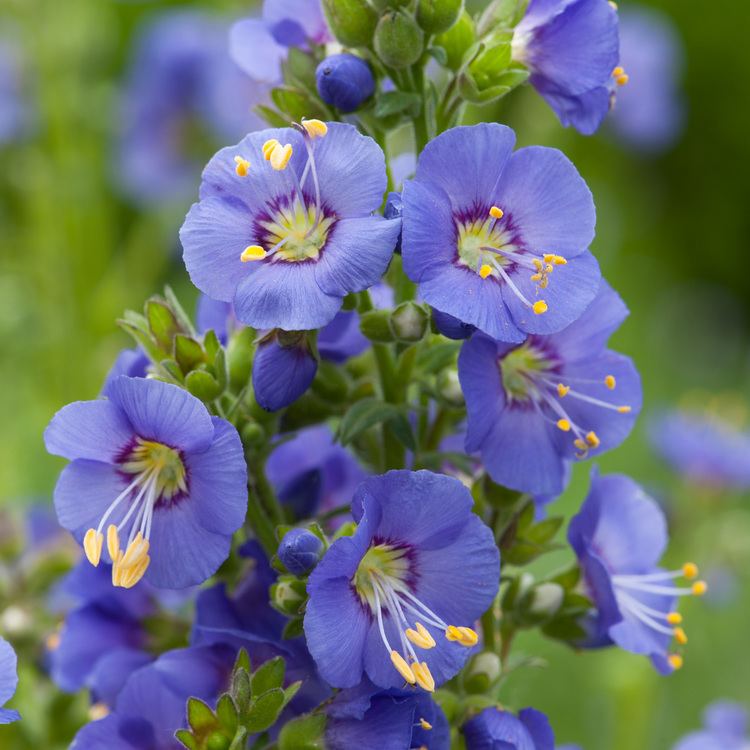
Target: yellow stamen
{"points": [[610, 382], [468, 637], [618, 71], [674, 618], [485, 271], [680, 636], [280, 156], [136, 551], [690, 570], [540, 307], [133, 574], [52, 641], [622, 80], [117, 569], [560, 261], [92, 546], [243, 166], [403, 668], [315, 128], [425, 724], [113, 542], [536, 277], [537, 264], [624, 409], [563, 424], [252, 252], [675, 661], [593, 439], [452, 633], [418, 640], [699, 588], [268, 148], [98, 711], [581, 445], [497, 213], [562, 390], [423, 676], [422, 630]]}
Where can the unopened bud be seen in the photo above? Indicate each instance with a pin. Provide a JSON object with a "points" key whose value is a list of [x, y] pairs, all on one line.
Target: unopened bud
{"points": [[344, 81], [457, 40], [288, 595], [410, 322], [398, 40], [300, 551], [483, 670], [351, 21], [547, 599], [437, 16]]}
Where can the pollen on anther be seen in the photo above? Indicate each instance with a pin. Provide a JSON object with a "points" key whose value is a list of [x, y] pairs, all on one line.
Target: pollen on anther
{"points": [[425, 724], [563, 424], [690, 570], [674, 618], [675, 661], [268, 148], [496, 212], [113, 542], [243, 166], [562, 390], [252, 252], [403, 668], [540, 307], [92, 546], [485, 271], [315, 128], [680, 636], [280, 156], [699, 588], [624, 409], [610, 382], [593, 439]]}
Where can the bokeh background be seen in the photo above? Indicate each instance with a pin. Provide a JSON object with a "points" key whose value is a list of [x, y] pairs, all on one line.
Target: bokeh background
{"points": [[76, 249]]}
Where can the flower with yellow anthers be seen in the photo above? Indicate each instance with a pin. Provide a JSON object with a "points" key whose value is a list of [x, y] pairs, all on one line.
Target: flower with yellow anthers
{"points": [[397, 601]]}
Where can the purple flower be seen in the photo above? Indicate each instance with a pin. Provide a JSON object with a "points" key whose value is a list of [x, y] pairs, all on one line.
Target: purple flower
{"points": [[344, 81], [725, 728], [131, 362], [282, 237], [150, 467], [151, 706], [14, 112], [619, 536], [571, 48], [312, 473], [180, 82], [419, 561], [341, 338], [703, 447], [390, 720], [283, 369], [499, 239], [495, 729], [260, 45], [649, 112], [299, 551], [8, 681], [533, 408]]}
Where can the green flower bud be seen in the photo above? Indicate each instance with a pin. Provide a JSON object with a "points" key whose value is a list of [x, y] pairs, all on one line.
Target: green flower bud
{"points": [[483, 670], [375, 325], [240, 357], [546, 600], [383, 5], [449, 387], [409, 322], [437, 16], [398, 40], [351, 21], [458, 40], [218, 741], [253, 435], [288, 595]]}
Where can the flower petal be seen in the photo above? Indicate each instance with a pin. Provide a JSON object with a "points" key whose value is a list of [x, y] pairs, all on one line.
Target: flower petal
{"points": [[255, 51]]}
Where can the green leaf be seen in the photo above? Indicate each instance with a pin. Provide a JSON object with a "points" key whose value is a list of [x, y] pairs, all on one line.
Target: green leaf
{"points": [[242, 661], [172, 369], [303, 733], [293, 629], [200, 716], [264, 711], [364, 414], [544, 531], [437, 357], [271, 116], [296, 103], [240, 738], [162, 323], [241, 691], [203, 385], [396, 102], [188, 353], [299, 68], [270, 675], [569, 577], [187, 739], [182, 317], [439, 54], [227, 714], [291, 691], [211, 344], [402, 429]]}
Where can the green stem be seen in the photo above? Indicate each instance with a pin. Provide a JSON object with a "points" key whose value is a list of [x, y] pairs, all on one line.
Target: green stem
{"points": [[489, 630], [258, 521], [436, 430]]}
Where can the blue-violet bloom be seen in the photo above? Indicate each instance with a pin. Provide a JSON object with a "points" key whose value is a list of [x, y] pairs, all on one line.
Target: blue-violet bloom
{"points": [[496, 729], [299, 551], [344, 81], [725, 728], [8, 681]]}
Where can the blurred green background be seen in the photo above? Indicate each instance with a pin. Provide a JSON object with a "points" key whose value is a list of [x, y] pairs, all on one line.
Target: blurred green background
{"points": [[672, 238]]}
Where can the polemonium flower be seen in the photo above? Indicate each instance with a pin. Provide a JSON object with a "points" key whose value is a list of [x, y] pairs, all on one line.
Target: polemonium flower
{"points": [[299, 551], [344, 81], [495, 728], [499, 239], [14, 111], [131, 362], [391, 720], [312, 473], [155, 472], [535, 407], [725, 728], [182, 94], [703, 447], [619, 536], [8, 681], [396, 601], [260, 45], [571, 48], [151, 706], [285, 229], [649, 112]]}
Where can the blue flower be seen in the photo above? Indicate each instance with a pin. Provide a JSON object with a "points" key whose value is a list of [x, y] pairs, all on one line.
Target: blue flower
{"points": [[151, 706], [533, 408], [499, 239], [183, 93], [154, 471], [344, 81], [571, 48], [619, 536], [495, 729], [14, 110], [312, 473], [283, 369], [8, 681], [703, 447], [390, 720], [282, 223], [260, 45], [299, 551], [725, 728], [649, 112], [131, 362], [419, 561]]}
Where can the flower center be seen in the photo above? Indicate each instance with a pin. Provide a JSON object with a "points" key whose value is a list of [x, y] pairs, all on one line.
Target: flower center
{"points": [[296, 233], [627, 587], [519, 369], [381, 583], [158, 473]]}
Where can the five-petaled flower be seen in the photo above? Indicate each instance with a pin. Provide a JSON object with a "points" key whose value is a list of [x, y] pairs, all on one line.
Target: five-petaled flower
{"points": [[499, 239], [532, 408], [8, 681], [396, 601], [494, 728], [285, 228], [156, 474], [619, 536]]}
